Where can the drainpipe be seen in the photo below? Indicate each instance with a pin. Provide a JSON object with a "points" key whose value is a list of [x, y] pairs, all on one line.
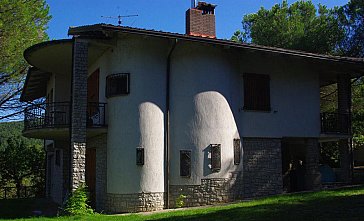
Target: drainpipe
{"points": [[167, 130]]}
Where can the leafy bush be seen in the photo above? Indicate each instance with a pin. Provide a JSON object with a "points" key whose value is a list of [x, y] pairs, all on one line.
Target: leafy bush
{"points": [[179, 201], [77, 203]]}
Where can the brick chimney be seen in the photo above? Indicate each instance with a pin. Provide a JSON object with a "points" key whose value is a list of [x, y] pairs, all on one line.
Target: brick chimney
{"points": [[200, 20]]}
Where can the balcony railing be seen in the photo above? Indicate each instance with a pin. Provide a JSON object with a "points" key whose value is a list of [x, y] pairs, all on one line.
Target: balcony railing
{"points": [[57, 115], [335, 123]]}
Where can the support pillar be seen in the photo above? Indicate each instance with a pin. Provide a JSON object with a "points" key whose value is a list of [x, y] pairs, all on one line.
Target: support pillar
{"points": [[312, 173], [344, 110], [78, 113]]}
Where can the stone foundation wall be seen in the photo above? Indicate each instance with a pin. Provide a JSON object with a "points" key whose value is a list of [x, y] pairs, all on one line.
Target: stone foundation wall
{"points": [[261, 176], [211, 191], [100, 144], [138, 202], [262, 165]]}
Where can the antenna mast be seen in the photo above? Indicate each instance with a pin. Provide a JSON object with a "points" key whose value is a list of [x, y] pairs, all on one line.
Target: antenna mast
{"points": [[119, 17]]}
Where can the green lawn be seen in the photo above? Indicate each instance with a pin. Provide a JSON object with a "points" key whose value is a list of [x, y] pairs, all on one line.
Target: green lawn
{"points": [[342, 204]]}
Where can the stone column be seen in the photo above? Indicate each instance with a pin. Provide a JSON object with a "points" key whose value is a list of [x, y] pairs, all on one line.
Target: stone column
{"points": [[312, 173], [344, 110], [78, 112]]}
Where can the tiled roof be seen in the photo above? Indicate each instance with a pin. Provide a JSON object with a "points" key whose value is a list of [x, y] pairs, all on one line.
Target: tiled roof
{"points": [[102, 30]]}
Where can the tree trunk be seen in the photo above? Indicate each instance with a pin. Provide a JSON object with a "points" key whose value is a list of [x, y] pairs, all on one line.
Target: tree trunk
{"points": [[18, 184]]}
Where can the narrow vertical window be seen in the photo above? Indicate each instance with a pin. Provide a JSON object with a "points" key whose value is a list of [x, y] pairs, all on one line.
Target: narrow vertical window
{"points": [[185, 163], [237, 151], [58, 158], [215, 157], [139, 156], [117, 84]]}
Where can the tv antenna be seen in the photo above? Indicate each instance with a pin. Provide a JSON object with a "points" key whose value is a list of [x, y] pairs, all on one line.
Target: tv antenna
{"points": [[119, 17]]}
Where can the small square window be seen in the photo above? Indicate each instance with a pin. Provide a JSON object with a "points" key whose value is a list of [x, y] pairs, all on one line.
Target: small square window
{"points": [[117, 84], [139, 156], [215, 157], [185, 163], [237, 151], [257, 92]]}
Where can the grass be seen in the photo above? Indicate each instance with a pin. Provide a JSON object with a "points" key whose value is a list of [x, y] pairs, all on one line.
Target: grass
{"points": [[341, 204]]}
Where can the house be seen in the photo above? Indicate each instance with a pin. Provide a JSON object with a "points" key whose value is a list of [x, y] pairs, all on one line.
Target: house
{"points": [[145, 116]]}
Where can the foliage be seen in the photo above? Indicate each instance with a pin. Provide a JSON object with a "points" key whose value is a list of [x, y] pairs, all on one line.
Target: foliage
{"points": [[22, 24], [20, 158], [77, 203], [180, 201], [297, 26]]}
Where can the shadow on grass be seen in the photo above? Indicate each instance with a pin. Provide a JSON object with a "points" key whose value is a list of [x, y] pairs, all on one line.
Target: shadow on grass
{"points": [[330, 208], [24, 208]]}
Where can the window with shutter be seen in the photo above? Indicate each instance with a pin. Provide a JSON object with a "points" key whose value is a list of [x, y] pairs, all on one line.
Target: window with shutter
{"points": [[185, 163], [139, 156], [215, 157], [256, 92], [117, 84], [237, 151]]}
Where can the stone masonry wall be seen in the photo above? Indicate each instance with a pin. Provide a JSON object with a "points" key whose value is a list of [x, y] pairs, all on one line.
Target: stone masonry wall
{"points": [[262, 163], [313, 175], [100, 144], [138, 202], [78, 113], [261, 176]]}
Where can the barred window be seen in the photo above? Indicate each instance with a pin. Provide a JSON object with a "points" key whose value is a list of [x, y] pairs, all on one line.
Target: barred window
{"points": [[237, 151], [185, 163], [215, 157], [117, 84], [139, 156], [257, 92]]}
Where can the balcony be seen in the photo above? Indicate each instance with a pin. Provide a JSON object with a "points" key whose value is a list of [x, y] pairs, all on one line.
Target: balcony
{"points": [[335, 124], [52, 120]]}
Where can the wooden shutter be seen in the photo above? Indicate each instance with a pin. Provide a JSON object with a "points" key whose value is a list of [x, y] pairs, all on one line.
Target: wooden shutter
{"points": [[139, 156], [185, 163], [257, 92], [215, 157], [237, 151]]}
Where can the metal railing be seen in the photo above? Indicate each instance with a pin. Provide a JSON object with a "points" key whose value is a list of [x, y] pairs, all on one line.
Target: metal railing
{"points": [[338, 123], [57, 115], [10, 192]]}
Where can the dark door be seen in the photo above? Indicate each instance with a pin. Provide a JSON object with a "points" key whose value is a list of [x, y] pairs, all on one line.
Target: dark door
{"points": [[93, 98], [91, 174]]}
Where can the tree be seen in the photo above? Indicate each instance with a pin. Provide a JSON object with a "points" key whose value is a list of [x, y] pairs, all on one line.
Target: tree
{"points": [[20, 158], [299, 26], [22, 24]]}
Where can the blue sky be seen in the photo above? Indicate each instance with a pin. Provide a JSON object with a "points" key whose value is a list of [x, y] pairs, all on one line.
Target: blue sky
{"points": [[161, 15]]}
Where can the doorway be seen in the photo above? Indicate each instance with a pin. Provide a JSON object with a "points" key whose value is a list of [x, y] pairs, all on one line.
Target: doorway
{"points": [[91, 174]]}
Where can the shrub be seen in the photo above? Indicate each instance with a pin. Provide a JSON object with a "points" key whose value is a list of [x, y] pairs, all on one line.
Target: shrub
{"points": [[76, 204], [179, 201]]}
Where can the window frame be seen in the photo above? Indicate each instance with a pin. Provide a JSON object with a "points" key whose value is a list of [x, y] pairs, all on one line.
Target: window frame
{"points": [[257, 93], [140, 152], [237, 151], [189, 164], [215, 150], [119, 92]]}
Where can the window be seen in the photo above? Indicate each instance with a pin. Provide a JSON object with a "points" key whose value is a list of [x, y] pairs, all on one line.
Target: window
{"points": [[256, 92], [215, 157], [58, 157], [236, 151], [140, 156], [117, 84], [185, 163]]}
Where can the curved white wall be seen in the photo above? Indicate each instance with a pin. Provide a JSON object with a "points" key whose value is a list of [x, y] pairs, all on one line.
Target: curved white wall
{"points": [[137, 119], [203, 85]]}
